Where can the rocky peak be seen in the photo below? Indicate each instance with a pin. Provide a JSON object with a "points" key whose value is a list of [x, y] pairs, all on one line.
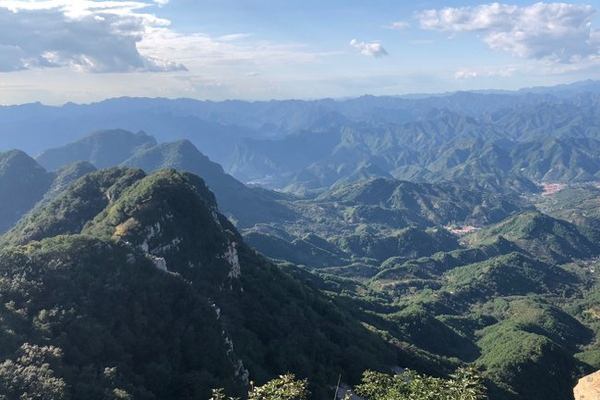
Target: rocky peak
{"points": [[173, 217]]}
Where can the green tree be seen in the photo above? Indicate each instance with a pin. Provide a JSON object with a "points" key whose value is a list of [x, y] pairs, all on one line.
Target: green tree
{"points": [[286, 387], [465, 384], [31, 376]]}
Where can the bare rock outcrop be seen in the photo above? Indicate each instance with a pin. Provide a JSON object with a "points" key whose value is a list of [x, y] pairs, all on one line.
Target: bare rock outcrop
{"points": [[588, 387]]}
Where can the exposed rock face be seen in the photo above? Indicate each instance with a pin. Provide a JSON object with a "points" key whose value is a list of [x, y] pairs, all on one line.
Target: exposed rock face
{"points": [[588, 387], [231, 256]]}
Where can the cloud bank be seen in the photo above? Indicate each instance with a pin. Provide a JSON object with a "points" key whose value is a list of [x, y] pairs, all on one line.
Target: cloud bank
{"points": [[372, 49], [84, 35], [555, 32]]}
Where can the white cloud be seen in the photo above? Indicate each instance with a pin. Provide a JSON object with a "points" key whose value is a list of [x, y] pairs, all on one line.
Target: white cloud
{"points": [[485, 72], [119, 36], [555, 32], [399, 26], [84, 35], [233, 37], [161, 3], [199, 51], [373, 49], [465, 74]]}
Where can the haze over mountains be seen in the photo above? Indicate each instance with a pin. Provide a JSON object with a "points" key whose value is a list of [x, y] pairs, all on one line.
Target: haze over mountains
{"points": [[310, 145], [417, 232]]}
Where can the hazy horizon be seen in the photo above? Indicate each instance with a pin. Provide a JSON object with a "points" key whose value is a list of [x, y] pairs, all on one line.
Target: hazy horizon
{"points": [[404, 95]]}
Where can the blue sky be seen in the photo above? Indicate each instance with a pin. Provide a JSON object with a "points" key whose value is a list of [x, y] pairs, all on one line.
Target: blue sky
{"points": [[56, 51]]}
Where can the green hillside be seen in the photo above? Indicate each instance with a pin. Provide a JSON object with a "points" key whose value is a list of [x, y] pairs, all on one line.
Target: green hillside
{"points": [[154, 246], [542, 236], [23, 183], [66, 175], [420, 203], [578, 204], [93, 319], [73, 208]]}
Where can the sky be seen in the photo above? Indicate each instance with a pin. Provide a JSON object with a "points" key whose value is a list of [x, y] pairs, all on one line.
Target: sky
{"points": [[82, 51]]}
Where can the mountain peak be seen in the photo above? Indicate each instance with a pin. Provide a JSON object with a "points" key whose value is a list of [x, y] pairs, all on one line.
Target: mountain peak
{"points": [[23, 183], [181, 154], [103, 149], [16, 159], [173, 217]]}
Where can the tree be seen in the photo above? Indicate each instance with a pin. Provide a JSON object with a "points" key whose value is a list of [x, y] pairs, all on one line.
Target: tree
{"points": [[31, 377], [465, 384], [286, 387]]}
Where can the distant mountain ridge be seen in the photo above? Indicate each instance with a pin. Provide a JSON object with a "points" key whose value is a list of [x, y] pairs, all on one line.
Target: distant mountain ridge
{"points": [[308, 146], [122, 148], [214, 125], [102, 149], [510, 149]]}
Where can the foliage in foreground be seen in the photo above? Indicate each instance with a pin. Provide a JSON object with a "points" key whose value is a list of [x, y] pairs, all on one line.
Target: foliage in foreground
{"points": [[286, 387], [464, 384]]}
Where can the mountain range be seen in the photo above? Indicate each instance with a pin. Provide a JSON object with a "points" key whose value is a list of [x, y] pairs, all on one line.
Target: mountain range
{"points": [[382, 233]]}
